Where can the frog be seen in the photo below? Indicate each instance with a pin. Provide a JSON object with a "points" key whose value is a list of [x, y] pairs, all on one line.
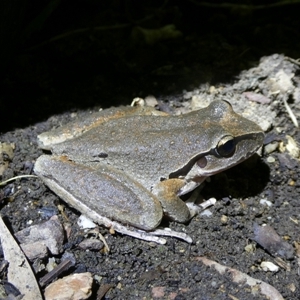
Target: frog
{"points": [[128, 167]]}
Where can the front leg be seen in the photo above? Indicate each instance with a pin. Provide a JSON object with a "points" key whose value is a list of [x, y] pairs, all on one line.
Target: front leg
{"points": [[174, 208]]}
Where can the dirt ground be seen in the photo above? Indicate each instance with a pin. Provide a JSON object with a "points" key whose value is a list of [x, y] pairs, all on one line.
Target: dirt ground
{"points": [[201, 66]]}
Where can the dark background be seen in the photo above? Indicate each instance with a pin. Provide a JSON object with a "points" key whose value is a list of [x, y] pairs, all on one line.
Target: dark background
{"points": [[59, 56]]}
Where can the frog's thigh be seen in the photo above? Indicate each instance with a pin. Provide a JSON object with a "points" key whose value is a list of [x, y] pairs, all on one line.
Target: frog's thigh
{"points": [[166, 191], [105, 190]]}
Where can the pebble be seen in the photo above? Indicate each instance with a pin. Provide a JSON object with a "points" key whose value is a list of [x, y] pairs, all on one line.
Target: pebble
{"points": [[250, 248], [91, 244], [224, 219], [35, 250], [265, 202], [271, 159], [269, 266], [158, 291], [72, 287], [268, 238], [206, 213], [271, 147], [85, 223], [50, 233]]}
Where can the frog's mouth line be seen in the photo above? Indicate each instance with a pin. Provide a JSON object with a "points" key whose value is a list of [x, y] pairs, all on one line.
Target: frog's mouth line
{"points": [[210, 162], [196, 176]]}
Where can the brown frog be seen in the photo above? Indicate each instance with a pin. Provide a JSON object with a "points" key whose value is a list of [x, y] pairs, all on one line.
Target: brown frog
{"points": [[129, 166]]}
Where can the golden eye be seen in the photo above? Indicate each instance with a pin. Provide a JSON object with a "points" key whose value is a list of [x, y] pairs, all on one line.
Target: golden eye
{"points": [[226, 146]]}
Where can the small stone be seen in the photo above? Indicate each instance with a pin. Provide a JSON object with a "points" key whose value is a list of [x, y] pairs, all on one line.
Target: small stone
{"points": [[119, 286], [158, 291], [257, 97], [297, 246], [291, 182], [292, 287], [212, 89], [224, 219], [73, 287], [265, 202], [51, 265], [35, 250], [91, 244], [112, 231], [69, 256], [85, 223], [286, 161], [50, 233], [270, 159], [38, 266], [270, 147], [206, 213], [268, 238], [198, 101], [250, 248], [269, 266], [151, 101], [292, 147]]}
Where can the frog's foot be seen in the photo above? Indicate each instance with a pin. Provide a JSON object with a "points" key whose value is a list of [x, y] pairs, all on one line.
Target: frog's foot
{"points": [[195, 209], [169, 232], [150, 236]]}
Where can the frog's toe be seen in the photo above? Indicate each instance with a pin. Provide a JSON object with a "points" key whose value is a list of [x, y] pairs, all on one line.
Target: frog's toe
{"points": [[195, 209]]}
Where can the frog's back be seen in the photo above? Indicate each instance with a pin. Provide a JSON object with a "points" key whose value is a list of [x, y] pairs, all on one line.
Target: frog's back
{"points": [[149, 147]]}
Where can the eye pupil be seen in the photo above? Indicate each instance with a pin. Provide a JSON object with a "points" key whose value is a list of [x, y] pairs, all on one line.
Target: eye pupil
{"points": [[226, 146]]}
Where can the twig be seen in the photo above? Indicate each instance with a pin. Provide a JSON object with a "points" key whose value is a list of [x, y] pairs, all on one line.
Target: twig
{"points": [[291, 114], [19, 273], [81, 30], [245, 6], [16, 177], [295, 61], [102, 238], [62, 267]]}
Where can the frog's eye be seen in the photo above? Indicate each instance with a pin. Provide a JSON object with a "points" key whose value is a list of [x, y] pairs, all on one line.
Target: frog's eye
{"points": [[226, 146]]}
